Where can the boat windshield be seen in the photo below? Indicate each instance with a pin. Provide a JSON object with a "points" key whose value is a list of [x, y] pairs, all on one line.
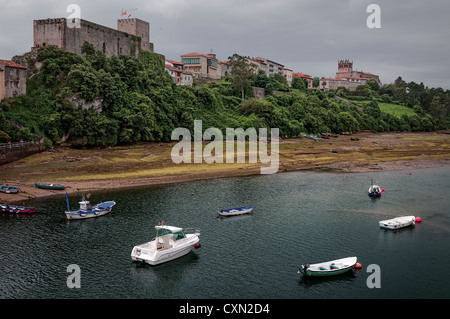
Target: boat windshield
{"points": [[179, 235], [162, 232]]}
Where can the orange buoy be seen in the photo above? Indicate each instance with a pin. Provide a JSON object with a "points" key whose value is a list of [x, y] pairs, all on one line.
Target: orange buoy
{"points": [[418, 219], [358, 266], [197, 245]]}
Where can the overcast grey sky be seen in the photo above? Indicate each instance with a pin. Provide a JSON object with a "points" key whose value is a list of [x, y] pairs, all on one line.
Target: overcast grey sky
{"points": [[308, 36]]}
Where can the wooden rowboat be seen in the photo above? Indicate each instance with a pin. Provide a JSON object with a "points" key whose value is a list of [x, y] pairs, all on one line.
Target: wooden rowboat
{"points": [[12, 209], [9, 189], [49, 185]]}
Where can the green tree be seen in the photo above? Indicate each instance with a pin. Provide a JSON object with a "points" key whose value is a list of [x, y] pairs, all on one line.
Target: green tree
{"points": [[242, 73]]}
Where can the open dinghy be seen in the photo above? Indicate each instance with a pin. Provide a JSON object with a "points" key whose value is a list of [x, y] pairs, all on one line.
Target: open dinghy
{"points": [[328, 268], [13, 209], [398, 222], [235, 211]]}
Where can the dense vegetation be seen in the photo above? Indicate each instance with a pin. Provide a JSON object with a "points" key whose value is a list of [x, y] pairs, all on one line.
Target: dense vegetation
{"points": [[95, 100]]}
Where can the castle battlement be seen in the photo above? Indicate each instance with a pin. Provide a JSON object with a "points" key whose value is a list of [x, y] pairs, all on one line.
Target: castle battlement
{"points": [[107, 40]]}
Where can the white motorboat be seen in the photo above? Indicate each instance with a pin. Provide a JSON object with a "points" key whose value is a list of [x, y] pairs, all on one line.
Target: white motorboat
{"points": [[328, 268], [170, 243], [398, 222]]}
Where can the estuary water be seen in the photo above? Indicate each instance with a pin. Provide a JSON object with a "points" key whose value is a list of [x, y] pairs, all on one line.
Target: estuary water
{"points": [[299, 217]]}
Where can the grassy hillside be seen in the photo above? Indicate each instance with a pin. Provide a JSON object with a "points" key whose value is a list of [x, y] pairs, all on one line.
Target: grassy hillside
{"points": [[391, 108]]}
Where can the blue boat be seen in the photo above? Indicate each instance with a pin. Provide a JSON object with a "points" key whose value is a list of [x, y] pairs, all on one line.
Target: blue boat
{"points": [[9, 189], [50, 186], [235, 211], [374, 190], [313, 137], [87, 210]]}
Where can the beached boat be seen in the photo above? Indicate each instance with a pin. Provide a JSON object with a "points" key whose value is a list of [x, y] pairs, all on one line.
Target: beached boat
{"points": [[87, 210], [312, 137], [50, 186], [9, 189], [235, 211], [328, 268], [398, 222], [170, 243], [374, 190], [13, 209]]}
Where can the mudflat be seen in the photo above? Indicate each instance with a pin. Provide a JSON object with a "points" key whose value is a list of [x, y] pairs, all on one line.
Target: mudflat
{"points": [[147, 164]]}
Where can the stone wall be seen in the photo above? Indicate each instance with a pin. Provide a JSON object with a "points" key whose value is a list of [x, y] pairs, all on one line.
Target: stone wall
{"points": [[107, 40], [14, 151]]}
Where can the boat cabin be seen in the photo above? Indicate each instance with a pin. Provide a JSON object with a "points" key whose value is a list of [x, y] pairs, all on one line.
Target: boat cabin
{"points": [[166, 236], [85, 205]]}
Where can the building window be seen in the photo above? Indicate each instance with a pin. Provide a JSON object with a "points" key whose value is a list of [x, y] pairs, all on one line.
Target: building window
{"points": [[190, 60]]}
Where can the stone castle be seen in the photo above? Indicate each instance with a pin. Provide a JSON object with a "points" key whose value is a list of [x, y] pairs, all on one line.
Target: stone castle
{"points": [[131, 36], [347, 77], [345, 70]]}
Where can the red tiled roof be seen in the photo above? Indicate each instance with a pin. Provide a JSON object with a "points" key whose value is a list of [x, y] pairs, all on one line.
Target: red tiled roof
{"points": [[301, 75], [11, 64], [172, 68], [174, 62]]}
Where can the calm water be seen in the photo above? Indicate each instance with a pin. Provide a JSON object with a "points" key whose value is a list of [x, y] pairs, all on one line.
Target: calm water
{"points": [[299, 217]]}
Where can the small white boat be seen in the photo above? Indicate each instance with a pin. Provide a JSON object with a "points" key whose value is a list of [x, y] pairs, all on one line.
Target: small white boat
{"points": [[374, 190], [398, 222], [328, 268], [170, 243], [235, 211]]}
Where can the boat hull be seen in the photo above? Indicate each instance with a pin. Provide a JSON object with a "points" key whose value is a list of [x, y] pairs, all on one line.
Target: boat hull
{"points": [[9, 209], [96, 211], [50, 186], [330, 268], [9, 189], [398, 222], [156, 257], [236, 211]]}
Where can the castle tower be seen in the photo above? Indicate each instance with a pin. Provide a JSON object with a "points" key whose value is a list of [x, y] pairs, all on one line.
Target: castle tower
{"points": [[137, 28], [345, 68]]}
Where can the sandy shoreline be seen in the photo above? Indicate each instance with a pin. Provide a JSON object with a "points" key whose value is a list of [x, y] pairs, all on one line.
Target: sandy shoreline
{"points": [[362, 152]]}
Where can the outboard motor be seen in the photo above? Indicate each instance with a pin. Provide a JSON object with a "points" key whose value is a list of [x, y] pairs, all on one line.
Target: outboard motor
{"points": [[304, 268]]}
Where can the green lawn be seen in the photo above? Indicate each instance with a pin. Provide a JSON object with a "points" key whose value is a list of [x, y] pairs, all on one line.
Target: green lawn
{"points": [[391, 108]]}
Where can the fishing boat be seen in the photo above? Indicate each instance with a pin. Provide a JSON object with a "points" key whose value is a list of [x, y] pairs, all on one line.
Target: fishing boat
{"points": [[374, 190], [170, 243], [12, 209], [50, 186], [398, 222], [235, 211], [328, 268], [87, 210], [9, 189]]}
